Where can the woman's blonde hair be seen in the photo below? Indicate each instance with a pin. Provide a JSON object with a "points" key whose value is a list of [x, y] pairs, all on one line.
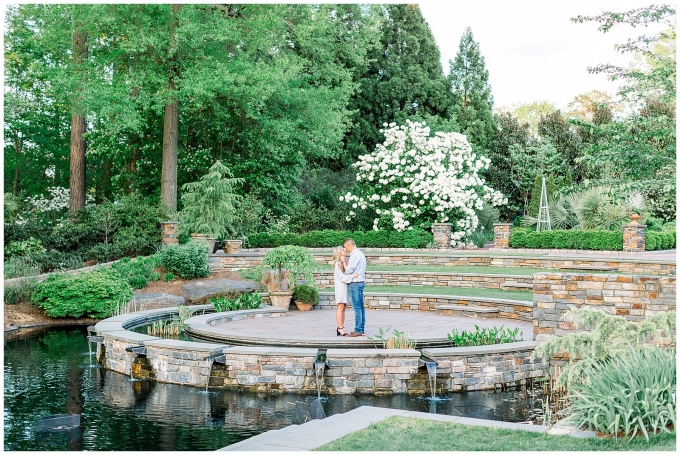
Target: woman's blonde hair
{"points": [[336, 257]]}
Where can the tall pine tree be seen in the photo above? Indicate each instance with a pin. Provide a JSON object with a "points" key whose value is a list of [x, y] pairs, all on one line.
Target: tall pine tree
{"points": [[473, 102], [404, 80]]}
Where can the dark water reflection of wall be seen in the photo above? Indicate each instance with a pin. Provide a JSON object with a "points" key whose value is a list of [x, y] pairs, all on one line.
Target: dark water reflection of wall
{"points": [[48, 372]]}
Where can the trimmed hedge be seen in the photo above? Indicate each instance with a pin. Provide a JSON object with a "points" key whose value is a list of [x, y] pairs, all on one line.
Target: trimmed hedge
{"points": [[659, 240], [567, 239], [416, 238]]}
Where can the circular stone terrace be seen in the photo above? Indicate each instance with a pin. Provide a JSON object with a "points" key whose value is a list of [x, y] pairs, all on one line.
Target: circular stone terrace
{"points": [[272, 326]]}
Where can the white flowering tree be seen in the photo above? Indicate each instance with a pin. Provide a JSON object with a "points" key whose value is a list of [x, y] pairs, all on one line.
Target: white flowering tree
{"points": [[413, 179]]}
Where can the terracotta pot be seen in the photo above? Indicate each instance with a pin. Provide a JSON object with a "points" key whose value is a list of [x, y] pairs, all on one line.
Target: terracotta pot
{"points": [[303, 306], [232, 246], [280, 299]]}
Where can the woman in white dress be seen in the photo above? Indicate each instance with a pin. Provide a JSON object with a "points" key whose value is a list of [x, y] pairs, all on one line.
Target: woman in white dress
{"points": [[341, 289]]}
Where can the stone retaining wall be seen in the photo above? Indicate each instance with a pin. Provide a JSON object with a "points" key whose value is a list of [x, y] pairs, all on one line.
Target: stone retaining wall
{"points": [[371, 371], [264, 369], [508, 309], [180, 362], [633, 297], [486, 367], [231, 262], [463, 280]]}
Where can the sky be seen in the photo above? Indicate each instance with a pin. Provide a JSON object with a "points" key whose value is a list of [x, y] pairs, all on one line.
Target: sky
{"points": [[531, 49]]}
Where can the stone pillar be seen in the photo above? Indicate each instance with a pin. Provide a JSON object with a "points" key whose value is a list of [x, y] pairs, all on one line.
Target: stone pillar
{"points": [[501, 235], [442, 235], [169, 232], [634, 235]]}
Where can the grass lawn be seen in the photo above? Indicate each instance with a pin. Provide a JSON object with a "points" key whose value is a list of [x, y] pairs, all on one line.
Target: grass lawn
{"points": [[447, 290], [406, 434], [477, 269]]}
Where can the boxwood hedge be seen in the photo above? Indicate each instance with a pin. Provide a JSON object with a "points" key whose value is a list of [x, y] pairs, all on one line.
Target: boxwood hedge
{"points": [[416, 238], [567, 239]]}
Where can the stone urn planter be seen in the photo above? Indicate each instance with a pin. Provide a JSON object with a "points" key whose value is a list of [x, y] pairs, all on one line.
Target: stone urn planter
{"points": [[232, 246], [280, 299], [208, 239], [303, 306]]}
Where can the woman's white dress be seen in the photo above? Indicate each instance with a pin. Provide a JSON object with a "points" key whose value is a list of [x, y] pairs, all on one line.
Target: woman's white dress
{"points": [[341, 285]]}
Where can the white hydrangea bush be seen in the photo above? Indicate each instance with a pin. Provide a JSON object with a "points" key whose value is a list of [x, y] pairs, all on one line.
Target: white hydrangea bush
{"points": [[413, 179]]}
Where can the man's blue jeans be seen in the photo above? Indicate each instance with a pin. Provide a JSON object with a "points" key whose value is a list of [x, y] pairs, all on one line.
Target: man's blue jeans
{"points": [[356, 294]]}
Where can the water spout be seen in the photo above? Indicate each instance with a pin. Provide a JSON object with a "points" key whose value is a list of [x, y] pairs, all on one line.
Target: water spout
{"points": [[210, 360], [319, 368], [432, 373]]}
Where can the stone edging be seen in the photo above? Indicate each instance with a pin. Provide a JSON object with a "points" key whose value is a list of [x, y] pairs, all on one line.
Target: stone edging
{"points": [[316, 433]]}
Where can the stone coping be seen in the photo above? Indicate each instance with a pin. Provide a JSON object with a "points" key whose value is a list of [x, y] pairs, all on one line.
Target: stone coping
{"points": [[371, 353], [271, 351], [212, 317], [480, 350], [466, 274], [180, 345], [316, 433], [525, 303], [494, 253], [129, 337]]}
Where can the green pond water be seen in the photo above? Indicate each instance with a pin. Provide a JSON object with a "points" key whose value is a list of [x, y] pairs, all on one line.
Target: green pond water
{"points": [[50, 371]]}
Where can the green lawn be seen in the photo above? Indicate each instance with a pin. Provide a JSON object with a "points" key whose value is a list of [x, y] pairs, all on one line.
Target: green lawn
{"points": [[450, 290], [478, 269], [406, 434]]}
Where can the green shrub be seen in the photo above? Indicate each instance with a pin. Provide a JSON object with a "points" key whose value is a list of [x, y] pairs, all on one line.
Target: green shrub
{"points": [[21, 266], [53, 260], [138, 271], [21, 292], [169, 277], [306, 294], [660, 240], [94, 294], [154, 276], [247, 301], [415, 238], [485, 336], [631, 393], [567, 239], [297, 260], [24, 248], [188, 261]]}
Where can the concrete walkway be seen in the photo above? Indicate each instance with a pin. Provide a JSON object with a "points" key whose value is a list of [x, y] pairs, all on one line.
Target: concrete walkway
{"points": [[316, 433]]}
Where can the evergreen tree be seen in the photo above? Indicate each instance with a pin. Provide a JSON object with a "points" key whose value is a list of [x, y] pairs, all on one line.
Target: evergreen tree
{"points": [[473, 101], [404, 80]]}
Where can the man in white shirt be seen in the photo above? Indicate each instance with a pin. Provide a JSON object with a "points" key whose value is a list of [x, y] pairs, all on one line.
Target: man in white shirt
{"points": [[356, 266]]}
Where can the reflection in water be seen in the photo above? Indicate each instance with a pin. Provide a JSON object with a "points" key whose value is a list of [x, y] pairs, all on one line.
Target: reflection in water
{"points": [[44, 375]]}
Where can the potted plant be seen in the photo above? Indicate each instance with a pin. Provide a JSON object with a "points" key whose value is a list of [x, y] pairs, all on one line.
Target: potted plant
{"points": [[288, 263], [209, 205], [305, 297]]}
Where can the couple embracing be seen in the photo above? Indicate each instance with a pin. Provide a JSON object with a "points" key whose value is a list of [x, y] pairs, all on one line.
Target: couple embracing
{"points": [[349, 282]]}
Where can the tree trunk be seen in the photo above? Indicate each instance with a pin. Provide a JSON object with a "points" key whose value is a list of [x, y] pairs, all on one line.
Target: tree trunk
{"points": [[104, 185], [17, 151], [78, 146], [171, 124]]}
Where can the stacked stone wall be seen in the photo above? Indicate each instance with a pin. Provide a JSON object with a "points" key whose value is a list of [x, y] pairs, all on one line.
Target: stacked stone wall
{"points": [[220, 262], [264, 369], [370, 371], [633, 297], [486, 367], [463, 280], [508, 309]]}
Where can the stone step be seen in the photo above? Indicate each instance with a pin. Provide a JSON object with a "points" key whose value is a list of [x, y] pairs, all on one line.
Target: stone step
{"points": [[468, 311], [604, 268], [511, 285]]}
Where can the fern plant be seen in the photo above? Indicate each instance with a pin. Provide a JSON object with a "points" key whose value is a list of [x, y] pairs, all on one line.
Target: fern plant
{"points": [[606, 337], [210, 203]]}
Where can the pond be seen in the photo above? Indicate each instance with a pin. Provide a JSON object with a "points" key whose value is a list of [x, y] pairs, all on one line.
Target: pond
{"points": [[50, 371]]}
